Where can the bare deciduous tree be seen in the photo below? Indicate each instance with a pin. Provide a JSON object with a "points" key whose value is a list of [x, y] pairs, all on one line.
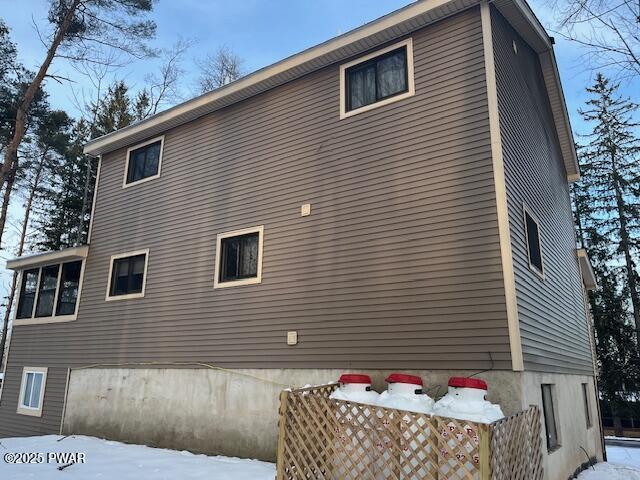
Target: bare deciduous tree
{"points": [[218, 69], [609, 31], [163, 88]]}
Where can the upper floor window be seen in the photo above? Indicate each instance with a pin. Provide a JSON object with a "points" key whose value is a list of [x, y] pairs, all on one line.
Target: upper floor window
{"points": [[144, 162], [50, 291], [239, 257], [127, 275], [377, 79], [534, 247]]}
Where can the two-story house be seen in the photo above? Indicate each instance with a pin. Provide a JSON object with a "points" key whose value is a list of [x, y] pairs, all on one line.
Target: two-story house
{"points": [[394, 199]]}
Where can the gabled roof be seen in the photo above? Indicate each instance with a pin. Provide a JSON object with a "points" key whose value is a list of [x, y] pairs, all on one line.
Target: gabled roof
{"points": [[389, 27]]}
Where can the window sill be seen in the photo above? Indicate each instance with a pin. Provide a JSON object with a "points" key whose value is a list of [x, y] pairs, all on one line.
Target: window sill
{"points": [[110, 298], [31, 412], [237, 283], [381, 103], [43, 320], [138, 182], [537, 272], [554, 449]]}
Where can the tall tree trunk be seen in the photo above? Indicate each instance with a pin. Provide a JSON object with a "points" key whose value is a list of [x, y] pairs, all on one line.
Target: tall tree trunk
{"points": [[23, 237], [10, 162], [625, 246], [6, 196]]}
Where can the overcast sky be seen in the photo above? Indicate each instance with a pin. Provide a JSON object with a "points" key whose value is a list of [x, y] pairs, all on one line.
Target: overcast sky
{"points": [[259, 31]]}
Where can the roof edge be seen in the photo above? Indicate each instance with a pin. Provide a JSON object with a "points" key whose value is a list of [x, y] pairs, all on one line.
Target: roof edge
{"points": [[40, 259]]}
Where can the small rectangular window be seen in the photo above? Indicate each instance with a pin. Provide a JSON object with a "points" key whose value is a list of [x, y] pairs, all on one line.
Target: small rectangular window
{"points": [[28, 289], [69, 286], [47, 291], [534, 247], [587, 404], [144, 161], [32, 391], [550, 424], [377, 79], [127, 275], [239, 257]]}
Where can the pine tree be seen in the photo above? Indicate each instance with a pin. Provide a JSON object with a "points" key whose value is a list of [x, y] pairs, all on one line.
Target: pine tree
{"points": [[611, 178]]}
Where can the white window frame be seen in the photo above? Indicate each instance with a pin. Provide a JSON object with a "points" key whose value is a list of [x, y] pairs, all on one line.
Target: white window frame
{"points": [[244, 281], [110, 297], [53, 318], [31, 411], [527, 211], [408, 43], [135, 147]]}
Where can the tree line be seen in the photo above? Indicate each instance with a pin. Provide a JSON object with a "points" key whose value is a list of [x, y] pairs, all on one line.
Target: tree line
{"points": [[43, 171]]}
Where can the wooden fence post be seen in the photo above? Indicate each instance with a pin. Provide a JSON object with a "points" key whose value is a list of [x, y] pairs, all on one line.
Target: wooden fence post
{"points": [[282, 428], [485, 452]]}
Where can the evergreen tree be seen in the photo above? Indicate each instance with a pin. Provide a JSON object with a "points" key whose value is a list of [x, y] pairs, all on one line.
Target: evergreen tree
{"points": [[611, 184]]}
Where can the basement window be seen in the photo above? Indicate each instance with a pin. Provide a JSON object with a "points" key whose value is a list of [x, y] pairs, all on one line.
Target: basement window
{"points": [[239, 257], [127, 275], [144, 162], [377, 79], [587, 404], [49, 293], [32, 391], [534, 246], [549, 412]]}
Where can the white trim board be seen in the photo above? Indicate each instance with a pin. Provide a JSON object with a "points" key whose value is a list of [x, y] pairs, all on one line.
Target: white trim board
{"points": [[515, 342]]}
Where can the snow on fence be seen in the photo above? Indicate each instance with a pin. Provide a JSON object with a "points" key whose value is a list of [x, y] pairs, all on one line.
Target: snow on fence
{"points": [[325, 439]]}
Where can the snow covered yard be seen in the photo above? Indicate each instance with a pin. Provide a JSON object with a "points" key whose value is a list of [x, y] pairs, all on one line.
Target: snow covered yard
{"points": [[114, 460], [623, 464]]}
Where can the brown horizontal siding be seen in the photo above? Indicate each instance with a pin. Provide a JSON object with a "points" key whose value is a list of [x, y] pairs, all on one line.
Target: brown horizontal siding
{"points": [[553, 325], [398, 265]]}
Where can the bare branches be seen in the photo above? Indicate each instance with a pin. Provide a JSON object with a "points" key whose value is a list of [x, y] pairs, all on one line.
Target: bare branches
{"points": [[163, 88], [608, 30], [218, 68]]}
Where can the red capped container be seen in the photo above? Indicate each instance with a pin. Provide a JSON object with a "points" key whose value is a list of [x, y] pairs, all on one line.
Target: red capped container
{"points": [[355, 387]]}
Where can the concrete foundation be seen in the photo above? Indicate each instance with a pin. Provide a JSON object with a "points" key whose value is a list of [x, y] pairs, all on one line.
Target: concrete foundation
{"points": [[574, 436], [236, 412]]}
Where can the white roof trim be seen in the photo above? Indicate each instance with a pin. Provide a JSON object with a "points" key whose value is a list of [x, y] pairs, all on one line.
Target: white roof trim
{"points": [[588, 275], [48, 258], [385, 29]]}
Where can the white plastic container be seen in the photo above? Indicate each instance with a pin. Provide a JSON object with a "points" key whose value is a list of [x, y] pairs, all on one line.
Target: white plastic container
{"points": [[465, 400], [355, 388], [405, 393]]}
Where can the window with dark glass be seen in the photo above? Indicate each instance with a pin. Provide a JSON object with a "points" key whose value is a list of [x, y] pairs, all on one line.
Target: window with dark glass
{"points": [[587, 404], [127, 275], [550, 417], [27, 293], [144, 162], [377, 79], [239, 257], [69, 285], [47, 291], [41, 286], [533, 242]]}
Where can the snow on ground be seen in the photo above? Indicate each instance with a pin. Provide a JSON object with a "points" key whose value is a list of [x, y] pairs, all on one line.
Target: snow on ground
{"points": [[107, 460], [623, 464]]}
